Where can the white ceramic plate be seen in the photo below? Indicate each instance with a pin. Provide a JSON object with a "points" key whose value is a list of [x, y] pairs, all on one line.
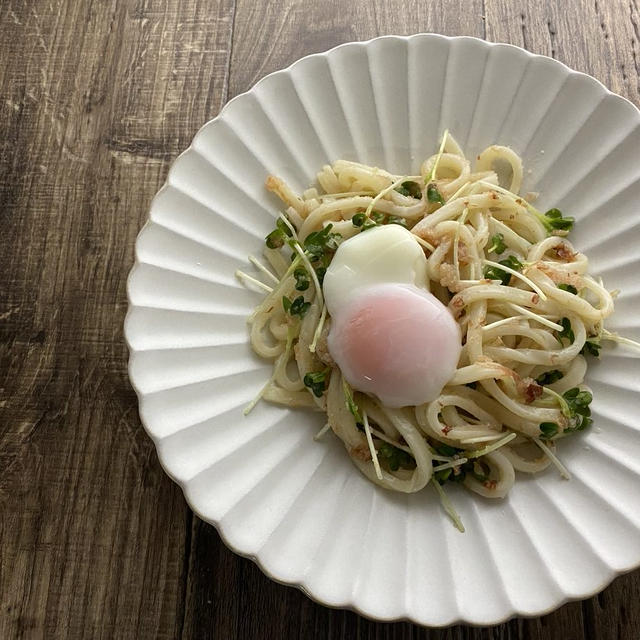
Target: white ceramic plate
{"points": [[300, 508]]}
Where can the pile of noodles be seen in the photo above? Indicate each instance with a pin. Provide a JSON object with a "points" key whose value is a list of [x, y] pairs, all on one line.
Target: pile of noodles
{"points": [[523, 336]]}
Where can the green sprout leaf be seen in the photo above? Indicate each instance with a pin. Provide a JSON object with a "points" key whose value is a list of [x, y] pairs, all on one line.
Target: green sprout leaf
{"points": [[395, 458], [553, 220], [549, 377], [316, 381], [591, 347], [275, 239], [447, 450], [548, 430], [443, 475], [283, 227], [351, 404], [493, 273], [512, 262], [302, 279], [317, 243], [358, 219], [297, 307], [433, 195], [569, 288], [567, 331], [578, 402], [410, 189], [497, 244]]}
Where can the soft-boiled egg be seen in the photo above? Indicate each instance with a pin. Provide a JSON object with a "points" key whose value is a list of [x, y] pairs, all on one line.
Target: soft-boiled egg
{"points": [[389, 335], [387, 253]]}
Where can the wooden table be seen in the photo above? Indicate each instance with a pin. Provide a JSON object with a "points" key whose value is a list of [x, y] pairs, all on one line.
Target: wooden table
{"points": [[97, 98]]}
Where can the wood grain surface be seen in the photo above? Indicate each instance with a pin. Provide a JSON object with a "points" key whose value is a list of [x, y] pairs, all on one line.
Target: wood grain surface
{"points": [[96, 98]]}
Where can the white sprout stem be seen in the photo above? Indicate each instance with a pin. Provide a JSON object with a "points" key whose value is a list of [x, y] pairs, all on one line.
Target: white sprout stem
{"points": [[322, 432], [445, 135], [372, 449], [492, 447], [286, 220], [247, 410], [424, 243], [451, 464], [265, 302], [535, 316], [318, 331], [518, 275], [346, 194], [458, 193], [440, 458], [383, 193], [614, 337], [245, 276], [506, 192], [564, 407], [564, 472], [311, 270], [385, 438], [480, 439], [499, 323], [256, 263], [447, 505], [316, 283]]}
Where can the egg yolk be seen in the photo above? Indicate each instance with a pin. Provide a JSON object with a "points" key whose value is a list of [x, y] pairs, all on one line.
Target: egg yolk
{"points": [[396, 341]]}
